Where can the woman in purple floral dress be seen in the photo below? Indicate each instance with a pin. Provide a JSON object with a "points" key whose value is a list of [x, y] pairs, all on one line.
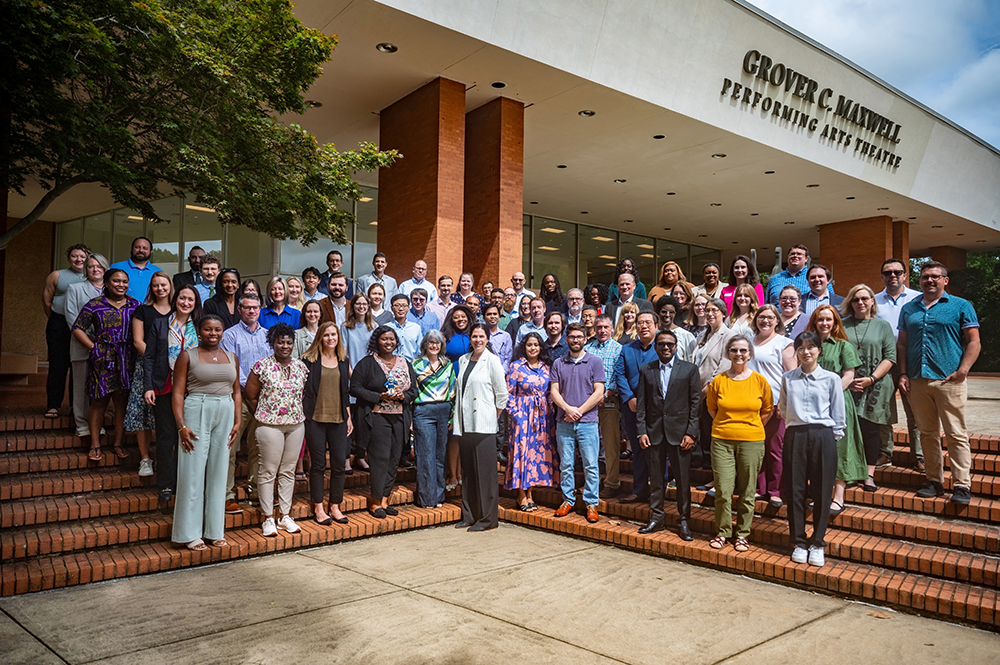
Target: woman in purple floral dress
{"points": [[530, 450], [112, 357]]}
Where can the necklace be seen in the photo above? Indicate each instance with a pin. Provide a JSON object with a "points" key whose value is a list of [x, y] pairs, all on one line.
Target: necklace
{"points": [[215, 358], [854, 328]]}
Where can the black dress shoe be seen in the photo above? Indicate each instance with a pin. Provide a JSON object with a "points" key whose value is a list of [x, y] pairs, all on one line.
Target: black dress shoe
{"points": [[480, 527], [389, 510], [652, 527], [684, 531], [462, 525], [342, 520]]}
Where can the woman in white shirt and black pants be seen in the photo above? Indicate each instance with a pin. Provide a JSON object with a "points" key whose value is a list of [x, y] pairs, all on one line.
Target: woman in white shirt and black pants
{"points": [[480, 398], [812, 402]]}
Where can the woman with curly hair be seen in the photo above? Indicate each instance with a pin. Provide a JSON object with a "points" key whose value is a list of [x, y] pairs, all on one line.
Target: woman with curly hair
{"points": [[670, 276], [626, 265], [596, 295]]}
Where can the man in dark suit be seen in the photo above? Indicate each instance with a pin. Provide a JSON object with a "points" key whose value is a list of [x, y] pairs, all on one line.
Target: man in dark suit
{"points": [[334, 262], [668, 400], [626, 294], [192, 276]]}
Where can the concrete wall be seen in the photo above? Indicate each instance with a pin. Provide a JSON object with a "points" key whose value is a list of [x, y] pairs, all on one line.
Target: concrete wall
{"points": [[28, 262]]}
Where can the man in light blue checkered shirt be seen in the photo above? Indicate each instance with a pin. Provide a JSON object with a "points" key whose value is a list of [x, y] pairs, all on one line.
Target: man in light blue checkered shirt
{"points": [[608, 351]]}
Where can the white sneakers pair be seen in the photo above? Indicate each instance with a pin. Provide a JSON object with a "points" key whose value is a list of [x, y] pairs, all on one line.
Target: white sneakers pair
{"points": [[814, 556], [287, 523]]}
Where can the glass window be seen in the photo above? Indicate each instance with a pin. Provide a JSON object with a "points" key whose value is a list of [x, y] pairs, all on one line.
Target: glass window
{"points": [[642, 251], [699, 257], [555, 252], [296, 257], [366, 234], [668, 250], [246, 250], [525, 248], [129, 225], [67, 234], [202, 228], [165, 236], [598, 256], [97, 234]]}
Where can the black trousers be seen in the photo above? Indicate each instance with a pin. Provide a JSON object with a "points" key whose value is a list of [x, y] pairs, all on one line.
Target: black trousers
{"points": [[680, 463], [166, 443], [384, 447], [872, 438], [703, 448], [809, 467], [319, 438], [57, 336], [480, 489]]}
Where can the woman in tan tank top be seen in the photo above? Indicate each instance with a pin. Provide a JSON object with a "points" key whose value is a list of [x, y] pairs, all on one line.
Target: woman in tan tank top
{"points": [[207, 404]]}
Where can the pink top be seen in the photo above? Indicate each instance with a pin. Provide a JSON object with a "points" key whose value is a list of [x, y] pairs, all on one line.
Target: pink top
{"points": [[727, 296]]}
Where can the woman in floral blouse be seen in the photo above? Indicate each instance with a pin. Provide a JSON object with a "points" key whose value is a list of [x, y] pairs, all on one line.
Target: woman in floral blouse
{"points": [[274, 396]]}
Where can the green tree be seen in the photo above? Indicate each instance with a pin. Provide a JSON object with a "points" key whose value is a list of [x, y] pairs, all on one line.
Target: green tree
{"points": [[154, 97], [981, 283]]}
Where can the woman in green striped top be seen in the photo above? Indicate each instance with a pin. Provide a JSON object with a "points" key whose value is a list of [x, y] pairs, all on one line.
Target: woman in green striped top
{"points": [[431, 414]]}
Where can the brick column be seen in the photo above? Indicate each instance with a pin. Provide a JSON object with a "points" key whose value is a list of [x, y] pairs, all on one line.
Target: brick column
{"points": [[854, 251], [494, 185], [954, 259], [901, 242], [420, 197]]}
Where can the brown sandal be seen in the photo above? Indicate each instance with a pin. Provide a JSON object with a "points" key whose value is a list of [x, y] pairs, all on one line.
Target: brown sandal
{"points": [[95, 454], [741, 544], [717, 543], [121, 453]]}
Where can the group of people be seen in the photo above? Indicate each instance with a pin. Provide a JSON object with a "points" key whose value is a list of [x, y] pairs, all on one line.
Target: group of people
{"points": [[787, 395]]}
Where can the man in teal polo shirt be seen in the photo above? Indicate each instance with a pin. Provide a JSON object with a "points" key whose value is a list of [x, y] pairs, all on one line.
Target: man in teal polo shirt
{"points": [[937, 346], [140, 271]]}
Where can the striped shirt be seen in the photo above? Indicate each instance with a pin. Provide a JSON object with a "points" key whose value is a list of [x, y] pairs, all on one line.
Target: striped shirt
{"points": [[434, 384], [608, 352], [249, 346]]}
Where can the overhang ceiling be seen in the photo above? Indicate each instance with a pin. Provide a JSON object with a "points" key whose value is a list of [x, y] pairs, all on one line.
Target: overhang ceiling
{"points": [[670, 183]]}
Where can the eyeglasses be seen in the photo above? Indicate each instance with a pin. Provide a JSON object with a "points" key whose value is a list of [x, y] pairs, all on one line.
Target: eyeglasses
{"points": [[667, 345], [893, 273], [861, 299], [788, 299], [740, 351]]}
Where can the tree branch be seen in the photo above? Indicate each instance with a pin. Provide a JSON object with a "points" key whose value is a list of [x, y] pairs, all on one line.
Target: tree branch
{"points": [[42, 205]]}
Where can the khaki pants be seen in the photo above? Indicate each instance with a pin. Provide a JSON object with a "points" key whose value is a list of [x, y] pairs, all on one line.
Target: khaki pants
{"points": [[248, 424], [278, 447], [611, 439], [938, 405]]}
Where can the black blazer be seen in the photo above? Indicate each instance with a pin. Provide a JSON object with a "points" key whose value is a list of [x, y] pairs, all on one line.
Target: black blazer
{"points": [[671, 418], [367, 385], [312, 387], [612, 308], [217, 305], [182, 278], [156, 364]]}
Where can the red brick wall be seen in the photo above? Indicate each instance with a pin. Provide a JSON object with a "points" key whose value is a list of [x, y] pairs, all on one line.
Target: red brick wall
{"points": [[421, 196], [854, 251], [28, 263], [901, 242], [954, 258], [494, 187]]}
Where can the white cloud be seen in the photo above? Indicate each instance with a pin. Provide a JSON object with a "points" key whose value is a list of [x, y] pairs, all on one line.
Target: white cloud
{"points": [[929, 49]]}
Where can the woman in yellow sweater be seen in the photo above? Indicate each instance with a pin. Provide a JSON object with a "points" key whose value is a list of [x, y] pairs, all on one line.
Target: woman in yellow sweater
{"points": [[740, 404]]}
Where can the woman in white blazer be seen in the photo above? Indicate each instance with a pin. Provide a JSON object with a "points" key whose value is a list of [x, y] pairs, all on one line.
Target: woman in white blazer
{"points": [[480, 397]]}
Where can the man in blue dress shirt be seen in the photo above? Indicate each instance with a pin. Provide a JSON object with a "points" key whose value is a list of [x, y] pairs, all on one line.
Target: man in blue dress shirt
{"points": [[138, 268], [627, 368], [794, 274]]}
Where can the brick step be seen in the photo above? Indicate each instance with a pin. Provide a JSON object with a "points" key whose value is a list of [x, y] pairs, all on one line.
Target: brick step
{"points": [[865, 547], [26, 419], [134, 527], [44, 461], [71, 569], [67, 506], [908, 591], [987, 464]]}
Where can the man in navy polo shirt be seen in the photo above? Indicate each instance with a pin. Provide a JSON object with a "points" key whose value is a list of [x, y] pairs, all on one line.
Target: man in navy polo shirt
{"points": [[577, 391], [937, 346]]}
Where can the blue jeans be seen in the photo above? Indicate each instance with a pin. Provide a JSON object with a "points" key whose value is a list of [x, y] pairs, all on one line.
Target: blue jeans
{"points": [[586, 437], [430, 445]]}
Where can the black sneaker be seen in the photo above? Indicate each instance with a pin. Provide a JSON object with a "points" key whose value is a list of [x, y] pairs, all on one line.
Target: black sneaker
{"points": [[961, 495], [931, 489]]}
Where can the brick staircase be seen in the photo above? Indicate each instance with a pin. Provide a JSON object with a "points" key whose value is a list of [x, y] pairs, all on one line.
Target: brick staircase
{"points": [[65, 520], [926, 556]]}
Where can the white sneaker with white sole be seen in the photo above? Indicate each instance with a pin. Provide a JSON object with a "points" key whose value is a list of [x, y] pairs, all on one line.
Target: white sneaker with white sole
{"points": [[799, 555], [288, 524], [816, 557], [268, 528], [146, 467]]}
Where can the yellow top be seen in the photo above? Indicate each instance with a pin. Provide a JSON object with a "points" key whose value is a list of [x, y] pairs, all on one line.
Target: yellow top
{"points": [[739, 406]]}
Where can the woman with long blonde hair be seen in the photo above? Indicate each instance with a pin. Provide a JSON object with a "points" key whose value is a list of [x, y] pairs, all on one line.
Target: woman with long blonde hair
{"points": [[625, 331], [745, 304]]}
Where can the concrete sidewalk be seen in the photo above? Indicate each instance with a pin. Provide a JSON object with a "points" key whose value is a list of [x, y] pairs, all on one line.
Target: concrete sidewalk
{"points": [[982, 411], [446, 596]]}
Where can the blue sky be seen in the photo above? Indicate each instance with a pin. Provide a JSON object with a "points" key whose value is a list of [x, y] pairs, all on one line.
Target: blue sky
{"points": [[943, 53]]}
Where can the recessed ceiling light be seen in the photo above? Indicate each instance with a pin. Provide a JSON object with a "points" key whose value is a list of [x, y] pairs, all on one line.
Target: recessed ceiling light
{"points": [[549, 229], [980, 241], [561, 166], [613, 265], [584, 212], [498, 85], [312, 103], [765, 248], [534, 203], [365, 199], [912, 217], [627, 221], [850, 198], [134, 217], [644, 246], [937, 226], [200, 208], [605, 256], [386, 47], [808, 186], [736, 242], [671, 193], [548, 249], [666, 228], [620, 180], [375, 223], [960, 234], [703, 235], [768, 172], [647, 256], [789, 223], [719, 155], [883, 208], [603, 239], [659, 136], [754, 214], [715, 205], [587, 113]]}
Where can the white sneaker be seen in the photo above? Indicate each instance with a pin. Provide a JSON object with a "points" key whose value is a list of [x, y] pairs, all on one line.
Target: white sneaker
{"points": [[816, 557], [799, 555], [268, 528], [146, 467], [288, 524]]}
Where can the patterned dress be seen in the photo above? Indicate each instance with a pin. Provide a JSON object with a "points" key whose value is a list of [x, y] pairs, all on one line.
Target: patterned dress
{"points": [[109, 367], [531, 449]]}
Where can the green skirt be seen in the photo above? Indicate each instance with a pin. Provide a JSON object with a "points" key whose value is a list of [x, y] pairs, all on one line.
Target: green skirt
{"points": [[851, 463]]}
